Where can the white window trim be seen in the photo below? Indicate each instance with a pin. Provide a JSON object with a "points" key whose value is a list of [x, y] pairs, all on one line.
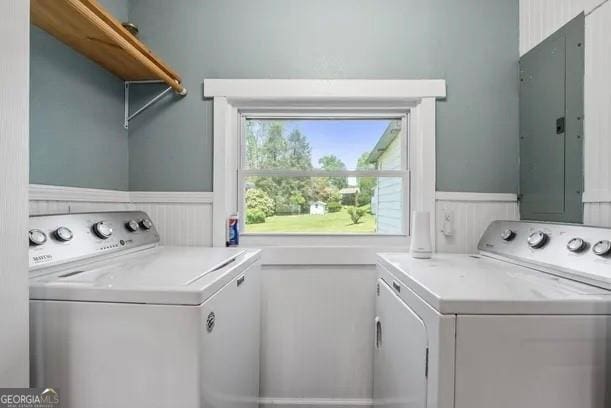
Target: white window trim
{"points": [[231, 96], [403, 173]]}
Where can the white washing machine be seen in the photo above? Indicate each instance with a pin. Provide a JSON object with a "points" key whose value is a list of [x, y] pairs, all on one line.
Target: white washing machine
{"points": [[119, 321], [525, 323]]}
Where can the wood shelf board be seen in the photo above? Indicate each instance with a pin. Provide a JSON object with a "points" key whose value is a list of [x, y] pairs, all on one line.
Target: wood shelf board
{"points": [[93, 32]]}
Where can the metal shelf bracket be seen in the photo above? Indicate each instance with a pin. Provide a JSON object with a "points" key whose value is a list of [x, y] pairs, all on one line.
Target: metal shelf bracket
{"points": [[127, 116]]}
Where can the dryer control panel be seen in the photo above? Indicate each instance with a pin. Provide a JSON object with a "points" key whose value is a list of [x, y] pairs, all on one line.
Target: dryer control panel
{"points": [[61, 238], [573, 251]]}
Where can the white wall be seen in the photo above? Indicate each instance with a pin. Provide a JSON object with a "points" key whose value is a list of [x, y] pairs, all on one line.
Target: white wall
{"points": [[462, 218], [317, 336], [14, 117], [539, 19]]}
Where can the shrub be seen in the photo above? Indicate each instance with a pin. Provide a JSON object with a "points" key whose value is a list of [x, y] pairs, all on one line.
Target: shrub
{"points": [[334, 206], [356, 213], [257, 199], [255, 217]]}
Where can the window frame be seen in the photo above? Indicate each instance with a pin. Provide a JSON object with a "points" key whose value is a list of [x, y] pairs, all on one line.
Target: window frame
{"points": [[226, 97], [403, 173]]}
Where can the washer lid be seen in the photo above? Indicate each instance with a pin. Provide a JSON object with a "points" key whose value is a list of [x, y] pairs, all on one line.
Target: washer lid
{"points": [[163, 275], [475, 284]]}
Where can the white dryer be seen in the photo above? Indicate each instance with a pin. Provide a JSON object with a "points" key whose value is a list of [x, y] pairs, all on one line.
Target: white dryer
{"points": [[525, 323], [119, 321]]}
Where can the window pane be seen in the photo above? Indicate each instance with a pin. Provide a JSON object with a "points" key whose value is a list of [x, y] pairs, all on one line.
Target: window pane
{"points": [[322, 144], [317, 205]]}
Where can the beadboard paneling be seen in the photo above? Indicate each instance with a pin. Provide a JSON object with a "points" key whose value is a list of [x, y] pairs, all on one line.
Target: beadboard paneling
{"points": [[598, 102], [181, 223], [14, 119], [598, 214], [470, 219], [182, 218], [540, 18]]}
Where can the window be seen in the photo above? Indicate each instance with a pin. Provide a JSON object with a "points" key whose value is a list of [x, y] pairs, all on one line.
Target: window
{"points": [[326, 174]]}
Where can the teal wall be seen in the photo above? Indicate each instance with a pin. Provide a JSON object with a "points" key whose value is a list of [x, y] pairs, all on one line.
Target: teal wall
{"points": [[76, 116], [473, 44], [77, 137]]}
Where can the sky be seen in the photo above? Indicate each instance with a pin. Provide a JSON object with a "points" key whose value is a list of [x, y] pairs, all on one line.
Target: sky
{"points": [[347, 139]]}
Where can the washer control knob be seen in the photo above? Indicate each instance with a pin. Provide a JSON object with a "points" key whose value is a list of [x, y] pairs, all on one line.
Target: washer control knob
{"points": [[146, 224], [64, 234], [132, 225], [602, 248], [576, 245], [537, 239], [37, 237], [102, 230], [508, 235]]}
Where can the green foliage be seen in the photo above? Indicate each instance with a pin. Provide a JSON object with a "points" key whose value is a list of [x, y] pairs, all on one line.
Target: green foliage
{"points": [[255, 217], [356, 213], [259, 200], [334, 206], [333, 163], [367, 185]]}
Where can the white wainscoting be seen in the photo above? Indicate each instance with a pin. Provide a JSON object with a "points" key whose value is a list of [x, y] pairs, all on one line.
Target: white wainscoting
{"points": [[317, 336], [540, 18], [470, 214], [598, 214], [182, 218]]}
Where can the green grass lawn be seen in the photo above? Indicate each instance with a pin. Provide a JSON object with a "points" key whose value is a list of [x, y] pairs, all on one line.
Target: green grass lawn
{"points": [[339, 223]]}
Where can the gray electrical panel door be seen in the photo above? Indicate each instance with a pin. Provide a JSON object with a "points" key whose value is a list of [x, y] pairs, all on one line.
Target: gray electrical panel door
{"points": [[551, 127]]}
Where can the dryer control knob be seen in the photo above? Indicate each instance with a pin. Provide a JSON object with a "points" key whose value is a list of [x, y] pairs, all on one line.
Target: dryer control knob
{"points": [[102, 230], [132, 225], [576, 245], [146, 224], [508, 235], [537, 239], [602, 248]]}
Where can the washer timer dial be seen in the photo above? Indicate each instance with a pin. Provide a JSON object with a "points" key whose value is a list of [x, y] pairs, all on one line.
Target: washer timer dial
{"points": [[37, 237], [64, 234]]}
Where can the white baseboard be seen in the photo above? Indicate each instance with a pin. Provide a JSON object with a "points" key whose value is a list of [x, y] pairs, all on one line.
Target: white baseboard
{"points": [[314, 403]]}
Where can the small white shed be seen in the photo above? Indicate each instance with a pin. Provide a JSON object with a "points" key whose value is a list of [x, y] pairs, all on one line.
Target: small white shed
{"points": [[318, 208]]}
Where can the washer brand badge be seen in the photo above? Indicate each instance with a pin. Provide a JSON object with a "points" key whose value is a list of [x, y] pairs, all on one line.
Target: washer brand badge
{"points": [[42, 258], [29, 398]]}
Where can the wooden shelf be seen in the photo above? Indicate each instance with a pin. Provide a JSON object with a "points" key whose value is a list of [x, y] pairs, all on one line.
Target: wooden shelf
{"points": [[92, 31]]}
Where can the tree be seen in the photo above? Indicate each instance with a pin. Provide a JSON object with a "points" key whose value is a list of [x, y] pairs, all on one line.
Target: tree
{"points": [[333, 163], [367, 185]]}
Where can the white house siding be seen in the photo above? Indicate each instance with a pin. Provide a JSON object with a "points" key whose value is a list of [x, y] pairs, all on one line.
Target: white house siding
{"points": [[388, 205]]}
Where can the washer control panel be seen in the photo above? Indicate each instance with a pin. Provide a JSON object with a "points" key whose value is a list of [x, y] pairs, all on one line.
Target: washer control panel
{"points": [[57, 239], [575, 251]]}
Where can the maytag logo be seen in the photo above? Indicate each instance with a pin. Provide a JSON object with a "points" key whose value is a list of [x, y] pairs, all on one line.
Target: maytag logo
{"points": [[29, 398], [42, 258]]}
